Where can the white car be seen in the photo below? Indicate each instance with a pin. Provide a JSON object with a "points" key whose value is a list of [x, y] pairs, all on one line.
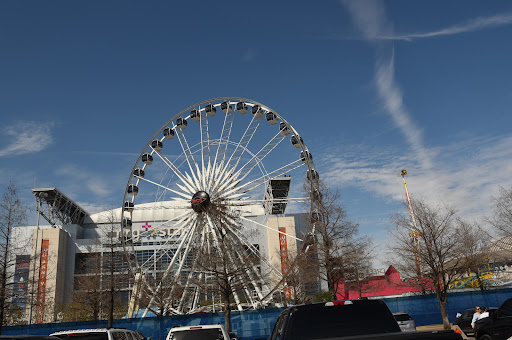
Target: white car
{"points": [[405, 321], [99, 334], [200, 332]]}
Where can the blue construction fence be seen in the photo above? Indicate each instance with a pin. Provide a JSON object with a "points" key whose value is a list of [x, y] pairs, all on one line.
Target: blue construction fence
{"points": [[253, 324], [424, 309]]}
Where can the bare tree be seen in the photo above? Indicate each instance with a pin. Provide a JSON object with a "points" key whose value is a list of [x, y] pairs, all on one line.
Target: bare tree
{"points": [[437, 252], [101, 275], [358, 263], [114, 269], [227, 266], [12, 214], [302, 273], [88, 296], [473, 250], [502, 216], [165, 295], [223, 275], [337, 239]]}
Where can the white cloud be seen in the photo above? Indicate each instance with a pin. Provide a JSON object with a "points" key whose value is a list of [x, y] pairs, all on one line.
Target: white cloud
{"points": [[27, 137], [392, 97], [466, 175], [93, 208], [83, 179], [472, 25], [369, 17]]}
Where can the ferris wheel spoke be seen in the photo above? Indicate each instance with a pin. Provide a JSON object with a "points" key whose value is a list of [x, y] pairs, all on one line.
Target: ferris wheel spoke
{"points": [[270, 228], [242, 203], [176, 232], [195, 295], [252, 248], [169, 267], [172, 177], [166, 188], [220, 155], [250, 186], [248, 272], [205, 142], [186, 252], [186, 181], [234, 159], [240, 241], [192, 164], [230, 260], [260, 156]]}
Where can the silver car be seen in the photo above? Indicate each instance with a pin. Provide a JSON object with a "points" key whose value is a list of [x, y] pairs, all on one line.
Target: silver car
{"points": [[405, 321]]}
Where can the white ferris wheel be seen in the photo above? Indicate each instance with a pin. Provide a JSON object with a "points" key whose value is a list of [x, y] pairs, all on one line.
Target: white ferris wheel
{"points": [[202, 175]]}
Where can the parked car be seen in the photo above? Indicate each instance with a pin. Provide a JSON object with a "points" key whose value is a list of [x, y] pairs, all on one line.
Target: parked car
{"points": [[27, 337], [464, 320], [200, 332], [405, 321], [98, 334], [498, 326], [355, 319]]}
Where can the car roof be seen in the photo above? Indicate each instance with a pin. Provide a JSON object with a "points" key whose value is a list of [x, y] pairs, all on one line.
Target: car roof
{"points": [[321, 305], [89, 330], [28, 337], [185, 328]]}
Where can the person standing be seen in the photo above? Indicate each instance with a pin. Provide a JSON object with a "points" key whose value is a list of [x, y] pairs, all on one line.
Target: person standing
{"points": [[476, 316], [484, 313]]}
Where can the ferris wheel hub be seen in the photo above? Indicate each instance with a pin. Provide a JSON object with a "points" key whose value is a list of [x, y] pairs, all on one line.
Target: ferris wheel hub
{"points": [[200, 201]]}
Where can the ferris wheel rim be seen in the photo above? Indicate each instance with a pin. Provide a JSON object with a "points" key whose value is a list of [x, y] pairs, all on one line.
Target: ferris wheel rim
{"points": [[170, 122]]}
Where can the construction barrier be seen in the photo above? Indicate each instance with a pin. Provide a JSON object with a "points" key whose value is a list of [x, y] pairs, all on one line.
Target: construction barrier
{"points": [[253, 324]]}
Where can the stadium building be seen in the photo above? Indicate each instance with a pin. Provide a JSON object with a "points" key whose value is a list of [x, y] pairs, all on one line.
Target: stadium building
{"points": [[56, 256]]}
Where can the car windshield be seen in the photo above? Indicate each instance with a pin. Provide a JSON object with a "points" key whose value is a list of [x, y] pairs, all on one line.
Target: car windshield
{"points": [[340, 321], [84, 336], [198, 334]]}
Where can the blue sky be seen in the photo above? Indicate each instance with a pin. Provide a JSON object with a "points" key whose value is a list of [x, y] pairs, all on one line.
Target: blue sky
{"points": [[372, 87]]}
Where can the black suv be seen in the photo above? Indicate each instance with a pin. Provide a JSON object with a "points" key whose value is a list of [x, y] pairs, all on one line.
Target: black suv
{"points": [[498, 326]]}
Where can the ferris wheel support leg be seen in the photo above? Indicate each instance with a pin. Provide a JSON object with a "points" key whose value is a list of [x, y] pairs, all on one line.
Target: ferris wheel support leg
{"points": [[136, 294]]}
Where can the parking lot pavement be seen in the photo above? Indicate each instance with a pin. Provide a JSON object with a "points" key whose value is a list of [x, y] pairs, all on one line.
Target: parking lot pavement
{"points": [[436, 328]]}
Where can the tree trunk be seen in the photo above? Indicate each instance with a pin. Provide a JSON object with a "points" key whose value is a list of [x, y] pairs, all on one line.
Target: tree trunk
{"points": [[111, 289], [442, 300], [479, 280], [3, 277], [3, 282], [227, 315]]}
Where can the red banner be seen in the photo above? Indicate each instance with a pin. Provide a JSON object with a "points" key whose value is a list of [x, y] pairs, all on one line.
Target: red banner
{"points": [[285, 263], [43, 271]]}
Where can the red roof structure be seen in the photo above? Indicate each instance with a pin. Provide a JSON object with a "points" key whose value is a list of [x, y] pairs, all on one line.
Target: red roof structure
{"points": [[381, 285]]}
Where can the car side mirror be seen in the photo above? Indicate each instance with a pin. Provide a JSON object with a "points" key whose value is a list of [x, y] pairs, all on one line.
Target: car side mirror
{"points": [[493, 314]]}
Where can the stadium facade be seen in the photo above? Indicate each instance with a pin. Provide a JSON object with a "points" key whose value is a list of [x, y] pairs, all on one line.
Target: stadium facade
{"points": [[54, 257]]}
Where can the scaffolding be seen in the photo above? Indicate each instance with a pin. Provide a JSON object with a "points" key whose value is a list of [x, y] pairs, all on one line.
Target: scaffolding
{"points": [[57, 208]]}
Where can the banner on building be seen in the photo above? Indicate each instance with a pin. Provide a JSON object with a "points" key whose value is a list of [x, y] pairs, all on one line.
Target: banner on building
{"points": [[285, 262], [43, 272]]}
